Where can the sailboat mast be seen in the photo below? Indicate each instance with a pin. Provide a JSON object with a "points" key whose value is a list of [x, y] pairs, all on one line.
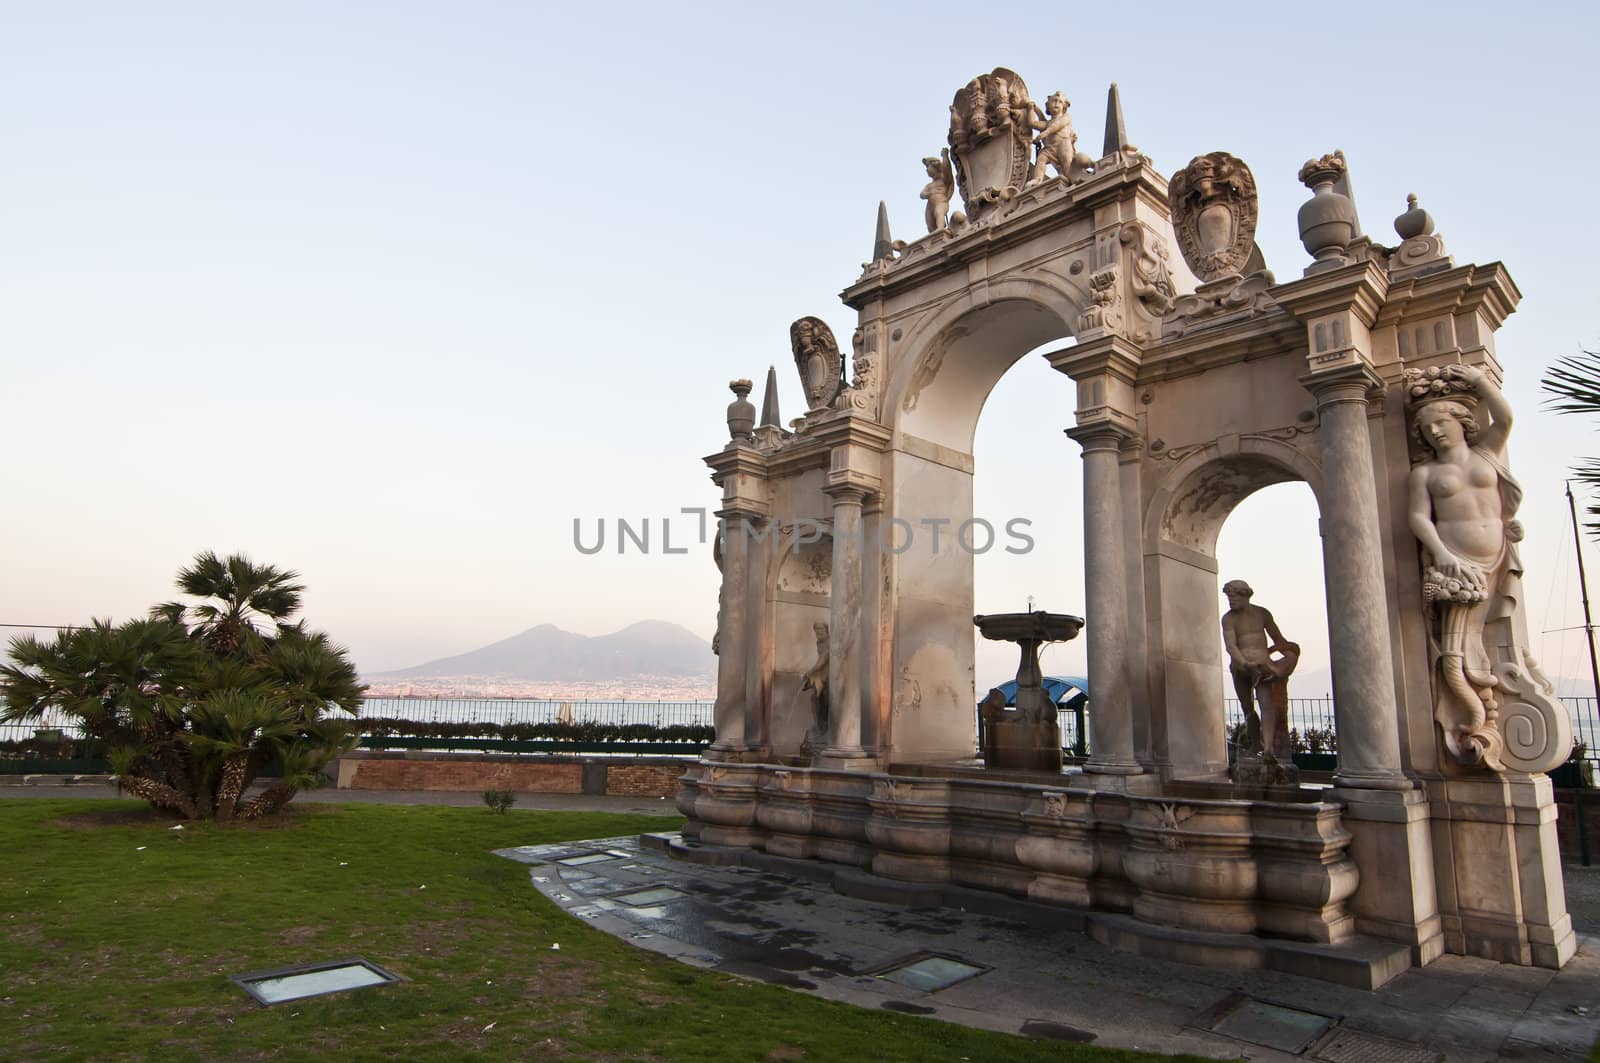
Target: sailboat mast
{"points": [[1583, 586]]}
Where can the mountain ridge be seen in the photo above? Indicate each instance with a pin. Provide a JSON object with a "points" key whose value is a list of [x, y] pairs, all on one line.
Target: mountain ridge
{"points": [[546, 652]]}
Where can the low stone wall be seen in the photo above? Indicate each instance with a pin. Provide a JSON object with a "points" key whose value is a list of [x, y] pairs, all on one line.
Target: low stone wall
{"points": [[615, 776]]}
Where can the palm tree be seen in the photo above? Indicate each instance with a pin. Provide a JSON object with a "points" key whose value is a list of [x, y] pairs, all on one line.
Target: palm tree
{"points": [[195, 701], [235, 595], [1574, 386]]}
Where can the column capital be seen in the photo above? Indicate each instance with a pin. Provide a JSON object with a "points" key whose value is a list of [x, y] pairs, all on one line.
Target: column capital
{"points": [[1102, 435], [1359, 288], [1353, 382], [847, 492]]}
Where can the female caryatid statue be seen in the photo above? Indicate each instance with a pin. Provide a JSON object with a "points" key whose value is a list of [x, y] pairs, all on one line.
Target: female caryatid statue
{"points": [[1463, 501]]}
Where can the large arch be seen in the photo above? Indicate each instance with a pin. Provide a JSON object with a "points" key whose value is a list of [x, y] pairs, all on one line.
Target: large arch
{"points": [[1182, 520], [934, 404]]}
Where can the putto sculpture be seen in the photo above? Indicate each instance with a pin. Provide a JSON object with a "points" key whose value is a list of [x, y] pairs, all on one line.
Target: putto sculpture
{"points": [[1463, 505], [1214, 208], [1057, 143], [938, 190], [816, 355]]}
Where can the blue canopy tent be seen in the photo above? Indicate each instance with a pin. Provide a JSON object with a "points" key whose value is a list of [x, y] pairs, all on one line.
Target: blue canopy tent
{"points": [[1066, 691], [1069, 693]]}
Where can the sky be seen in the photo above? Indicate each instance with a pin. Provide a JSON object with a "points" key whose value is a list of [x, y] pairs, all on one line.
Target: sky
{"points": [[391, 294]]}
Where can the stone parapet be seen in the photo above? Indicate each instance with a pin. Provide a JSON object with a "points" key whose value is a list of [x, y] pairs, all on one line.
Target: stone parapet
{"points": [[615, 776]]}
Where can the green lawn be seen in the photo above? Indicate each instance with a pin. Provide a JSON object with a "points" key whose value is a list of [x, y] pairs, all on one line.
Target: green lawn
{"points": [[119, 935]]}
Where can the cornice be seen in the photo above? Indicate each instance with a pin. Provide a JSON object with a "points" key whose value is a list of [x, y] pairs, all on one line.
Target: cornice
{"points": [[1056, 206]]}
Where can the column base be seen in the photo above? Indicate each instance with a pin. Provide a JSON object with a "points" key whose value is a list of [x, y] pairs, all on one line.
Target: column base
{"points": [[846, 758], [1113, 767], [736, 754], [1143, 784], [1356, 779]]}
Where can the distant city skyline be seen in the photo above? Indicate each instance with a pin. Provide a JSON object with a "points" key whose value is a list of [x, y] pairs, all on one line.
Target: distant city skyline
{"points": [[391, 298]]}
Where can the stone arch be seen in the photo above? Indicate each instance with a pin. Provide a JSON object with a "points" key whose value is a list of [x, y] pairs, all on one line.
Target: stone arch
{"points": [[963, 349], [933, 401], [1185, 513], [1189, 504]]}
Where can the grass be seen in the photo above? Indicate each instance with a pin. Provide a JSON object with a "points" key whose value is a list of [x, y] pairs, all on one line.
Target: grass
{"points": [[119, 935]]}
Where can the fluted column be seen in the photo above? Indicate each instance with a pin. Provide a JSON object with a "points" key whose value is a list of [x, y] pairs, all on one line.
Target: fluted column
{"points": [[1365, 711], [1106, 587], [844, 628], [732, 637]]}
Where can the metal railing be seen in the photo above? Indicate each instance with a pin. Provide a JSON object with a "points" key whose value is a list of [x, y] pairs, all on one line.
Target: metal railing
{"points": [[543, 710], [1305, 714]]}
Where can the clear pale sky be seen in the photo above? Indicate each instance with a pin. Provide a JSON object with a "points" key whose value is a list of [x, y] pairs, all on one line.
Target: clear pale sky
{"points": [[391, 293]]}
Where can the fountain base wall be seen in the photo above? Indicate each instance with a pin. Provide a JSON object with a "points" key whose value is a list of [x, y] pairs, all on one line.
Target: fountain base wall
{"points": [[1185, 861]]}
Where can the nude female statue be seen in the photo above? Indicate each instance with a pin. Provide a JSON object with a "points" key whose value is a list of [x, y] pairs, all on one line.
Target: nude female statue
{"points": [[1462, 503]]}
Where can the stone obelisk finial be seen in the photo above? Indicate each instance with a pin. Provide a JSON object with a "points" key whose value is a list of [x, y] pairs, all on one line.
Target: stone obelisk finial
{"points": [[769, 401], [882, 243], [1116, 129]]}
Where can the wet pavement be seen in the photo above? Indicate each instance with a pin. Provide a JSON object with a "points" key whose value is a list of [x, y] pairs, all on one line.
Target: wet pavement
{"points": [[786, 923]]}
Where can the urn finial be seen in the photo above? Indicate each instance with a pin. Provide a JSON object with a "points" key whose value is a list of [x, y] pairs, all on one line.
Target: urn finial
{"points": [[741, 411], [1415, 221]]}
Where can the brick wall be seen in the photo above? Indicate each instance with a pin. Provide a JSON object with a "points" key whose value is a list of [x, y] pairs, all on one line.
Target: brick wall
{"points": [[552, 775], [643, 780]]}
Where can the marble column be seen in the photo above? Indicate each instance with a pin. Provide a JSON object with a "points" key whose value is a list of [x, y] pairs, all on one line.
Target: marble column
{"points": [[732, 638], [1106, 587], [1365, 711], [844, 629], [758, 640]]}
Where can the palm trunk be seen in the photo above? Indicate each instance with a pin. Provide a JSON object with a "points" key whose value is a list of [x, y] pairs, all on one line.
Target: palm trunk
{"points": [[270, 800], [235, 777], [161, 795]]}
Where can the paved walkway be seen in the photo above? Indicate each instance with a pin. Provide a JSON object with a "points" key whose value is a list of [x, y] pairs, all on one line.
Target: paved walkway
{"points": [[1002, 974], [798, 931]]}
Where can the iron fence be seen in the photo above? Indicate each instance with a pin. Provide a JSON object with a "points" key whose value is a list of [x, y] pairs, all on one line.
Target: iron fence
{"points": [[1305, 715], [542, 710]]}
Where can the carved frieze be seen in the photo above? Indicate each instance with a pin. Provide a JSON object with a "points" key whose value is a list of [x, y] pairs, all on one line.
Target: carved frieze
{"points": [[1104, 312], [1214, 209], [862, 394], [1148, 271]]}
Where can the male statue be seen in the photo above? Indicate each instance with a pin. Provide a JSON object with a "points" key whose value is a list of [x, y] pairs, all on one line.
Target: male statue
{"points": [[816, 681], [1258, 676]]}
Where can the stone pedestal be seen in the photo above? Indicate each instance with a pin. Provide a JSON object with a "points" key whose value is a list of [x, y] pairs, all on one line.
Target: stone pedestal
{"points": [[1500, 887], [1396, 898]]}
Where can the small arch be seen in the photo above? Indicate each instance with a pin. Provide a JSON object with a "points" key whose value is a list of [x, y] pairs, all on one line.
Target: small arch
{"points": [[1196, 497]]}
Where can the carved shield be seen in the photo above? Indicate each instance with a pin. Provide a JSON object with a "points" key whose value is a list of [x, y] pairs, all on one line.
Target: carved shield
{"points": [[1214, 208], [990, 136], [816, 355]]}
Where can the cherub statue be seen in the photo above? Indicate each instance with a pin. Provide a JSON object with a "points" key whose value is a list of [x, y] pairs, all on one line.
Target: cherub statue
{"points": [[938, 190], [1057, 142]]}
